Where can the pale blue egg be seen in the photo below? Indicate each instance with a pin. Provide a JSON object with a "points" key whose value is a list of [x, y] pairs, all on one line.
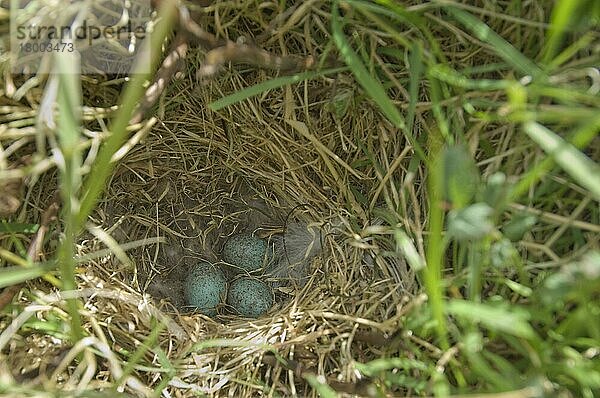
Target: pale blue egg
{"points": [[250, 297], [204, 287], [245, 251]]}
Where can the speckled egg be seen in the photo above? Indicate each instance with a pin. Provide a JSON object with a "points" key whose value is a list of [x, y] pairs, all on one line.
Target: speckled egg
{"points": [[250, 297], [204, 287], [245, 251]]}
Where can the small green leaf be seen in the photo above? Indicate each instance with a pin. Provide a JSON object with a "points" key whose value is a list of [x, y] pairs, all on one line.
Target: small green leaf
{"points": [[496, 192], [471, 223], [503, 254], [512, 320], [461, 176], [18, 228], [407, 248], [518, 226], [574, 279], [321, 386], [523, 290]]}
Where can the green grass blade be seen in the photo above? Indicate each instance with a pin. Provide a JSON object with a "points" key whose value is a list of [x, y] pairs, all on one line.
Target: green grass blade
{"points": [[500, 46], [450, 76], [139, 353], [268, 85], [70, 104], [12, 275], [169, 373], [372, 86], [562, 17], [583, 170], [398, 12], [432, 273], [416, 72], [481, 368], [96, 180], [405, 246], [435, 93], [376, 366], [583, 42], [580, 138]]}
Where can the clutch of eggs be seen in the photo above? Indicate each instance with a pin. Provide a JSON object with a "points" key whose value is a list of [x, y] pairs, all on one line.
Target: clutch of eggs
{"points": [[206, 285]]}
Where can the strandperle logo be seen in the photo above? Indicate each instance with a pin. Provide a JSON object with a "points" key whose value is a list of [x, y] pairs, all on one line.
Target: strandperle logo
{"points": [[105, 35], [86, 32]]}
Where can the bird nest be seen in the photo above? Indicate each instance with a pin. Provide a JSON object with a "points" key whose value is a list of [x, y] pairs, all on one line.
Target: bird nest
{"points": [[200, 176]]}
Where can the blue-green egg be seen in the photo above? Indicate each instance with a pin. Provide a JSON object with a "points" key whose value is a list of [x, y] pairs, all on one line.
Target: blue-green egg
{"points": [[245, 251], [204, 287], [250, 297]]}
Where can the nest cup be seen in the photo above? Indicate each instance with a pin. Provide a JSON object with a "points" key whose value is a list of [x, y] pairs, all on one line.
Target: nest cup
{"points": [[198, 178]]}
